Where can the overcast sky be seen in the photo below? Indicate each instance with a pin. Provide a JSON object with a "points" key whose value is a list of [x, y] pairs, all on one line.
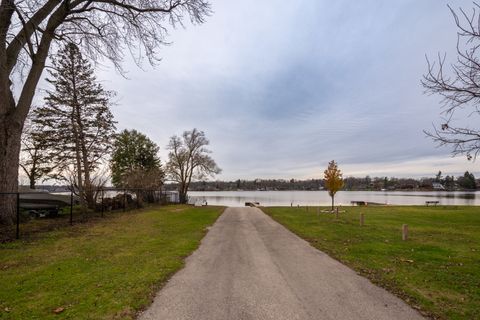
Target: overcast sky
{"points": [[281, 88]]}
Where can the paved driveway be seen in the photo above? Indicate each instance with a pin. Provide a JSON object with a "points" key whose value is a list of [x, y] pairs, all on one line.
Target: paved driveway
{"points": [[250, 267]]}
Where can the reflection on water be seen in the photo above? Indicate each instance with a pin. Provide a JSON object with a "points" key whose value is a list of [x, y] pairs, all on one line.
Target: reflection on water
{"points": [[459, 195], [316, 198]]}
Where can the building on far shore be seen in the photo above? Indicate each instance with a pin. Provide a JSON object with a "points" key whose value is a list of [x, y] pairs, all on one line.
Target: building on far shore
{"points": [[438, 186]]}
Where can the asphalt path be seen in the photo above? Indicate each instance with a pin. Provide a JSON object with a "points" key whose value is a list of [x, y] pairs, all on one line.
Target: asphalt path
{"points": [[250, 267]]}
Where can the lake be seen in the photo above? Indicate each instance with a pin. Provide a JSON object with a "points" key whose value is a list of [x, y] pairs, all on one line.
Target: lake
{"points": [[321, 198]]}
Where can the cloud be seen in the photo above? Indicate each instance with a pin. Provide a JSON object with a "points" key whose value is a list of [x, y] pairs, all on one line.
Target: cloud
{"points": [[282, 88]]}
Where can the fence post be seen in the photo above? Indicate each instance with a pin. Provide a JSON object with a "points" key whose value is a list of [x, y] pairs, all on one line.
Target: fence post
{"points": [[102, 203], [17, 234], [71, 207], [362, 219], [336, 213], [124, 199], [405, 232]]}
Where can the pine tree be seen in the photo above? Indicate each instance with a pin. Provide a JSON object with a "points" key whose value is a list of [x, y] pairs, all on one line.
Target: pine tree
{"points": [[77, 121], [467, 181], [135, 162]]}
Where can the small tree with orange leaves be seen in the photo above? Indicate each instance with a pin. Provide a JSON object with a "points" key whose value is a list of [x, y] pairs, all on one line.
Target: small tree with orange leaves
{"points": [[333, 179]]}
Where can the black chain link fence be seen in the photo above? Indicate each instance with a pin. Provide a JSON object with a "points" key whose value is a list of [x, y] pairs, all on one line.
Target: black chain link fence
{"points": [[42, 211]]}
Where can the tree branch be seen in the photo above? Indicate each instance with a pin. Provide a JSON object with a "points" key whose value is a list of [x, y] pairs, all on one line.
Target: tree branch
{"points": [[26, 32]]}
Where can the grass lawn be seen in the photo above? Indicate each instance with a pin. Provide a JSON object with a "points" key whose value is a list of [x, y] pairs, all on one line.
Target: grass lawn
{"points": [[436, 270], [104, 270]]}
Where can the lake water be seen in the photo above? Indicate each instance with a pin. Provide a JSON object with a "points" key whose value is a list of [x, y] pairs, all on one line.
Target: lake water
{"points": [[321, 198]]}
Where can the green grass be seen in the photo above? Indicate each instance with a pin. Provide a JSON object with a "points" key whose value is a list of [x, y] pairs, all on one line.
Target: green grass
{"points": [[104, 270], [437, 270]]}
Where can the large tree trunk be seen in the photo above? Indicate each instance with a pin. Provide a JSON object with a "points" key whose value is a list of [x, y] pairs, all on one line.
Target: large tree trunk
{"points": [[13, 113], [183, 197], [81, 190], [89, 192], [10, 133], [78, 159], [32, 182], [185, 185], [182, 193], [30, 174], [78, 135]]}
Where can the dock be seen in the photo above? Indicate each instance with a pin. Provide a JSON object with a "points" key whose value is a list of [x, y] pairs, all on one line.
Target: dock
{"points": [[252, 204], [365, 203]]}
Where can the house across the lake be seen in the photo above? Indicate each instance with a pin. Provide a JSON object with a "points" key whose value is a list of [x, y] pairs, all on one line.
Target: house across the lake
{"points": [[437, 186]]}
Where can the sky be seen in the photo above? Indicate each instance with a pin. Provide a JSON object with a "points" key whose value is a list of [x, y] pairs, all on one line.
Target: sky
{"points": [[281, 88]]}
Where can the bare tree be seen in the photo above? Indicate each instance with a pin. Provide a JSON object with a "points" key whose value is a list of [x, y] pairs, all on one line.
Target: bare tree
{"points": [[459, 87], [189, 159], [35, 159], [31, 29], [98, 180]]}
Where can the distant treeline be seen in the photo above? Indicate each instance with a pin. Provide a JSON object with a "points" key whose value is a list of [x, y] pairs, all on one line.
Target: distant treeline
{"points": [[465, 182], [449, 183]]}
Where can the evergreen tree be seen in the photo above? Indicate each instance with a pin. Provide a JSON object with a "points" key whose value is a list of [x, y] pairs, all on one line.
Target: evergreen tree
{"points": [[467, 181], [77, 121], [135, 162], [449, 182]]}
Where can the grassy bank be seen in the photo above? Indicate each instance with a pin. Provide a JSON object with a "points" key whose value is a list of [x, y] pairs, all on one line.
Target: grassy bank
{"points": [[106, 270], [437, 269]]}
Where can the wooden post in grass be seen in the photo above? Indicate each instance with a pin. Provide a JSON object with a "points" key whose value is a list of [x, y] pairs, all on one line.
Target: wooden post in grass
{"points": [[318, 211], [336, 213], [405, 232], [362, 219]]}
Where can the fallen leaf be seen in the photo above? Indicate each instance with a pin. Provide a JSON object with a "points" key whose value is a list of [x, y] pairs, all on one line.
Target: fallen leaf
{"points": [[407, 260], [59, 310]]}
